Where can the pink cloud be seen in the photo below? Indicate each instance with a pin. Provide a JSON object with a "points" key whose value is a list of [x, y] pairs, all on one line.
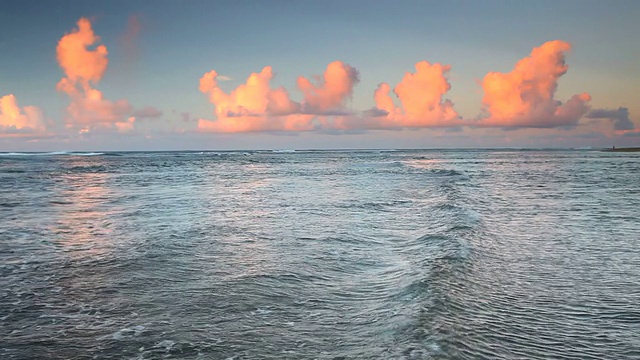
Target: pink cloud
{"points": [[524, 97], [125, 126], [15, 120], [293, 122], [421, 98], [332, 90], [255, 97], [252, 106], [84, 68]]}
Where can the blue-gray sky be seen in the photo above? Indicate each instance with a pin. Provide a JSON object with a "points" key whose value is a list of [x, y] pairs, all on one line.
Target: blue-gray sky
{"points": [[159, 50]]}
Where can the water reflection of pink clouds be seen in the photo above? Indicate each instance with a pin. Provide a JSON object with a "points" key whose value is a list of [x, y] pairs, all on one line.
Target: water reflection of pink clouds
{"points": [[81, 216], [423, 163]]}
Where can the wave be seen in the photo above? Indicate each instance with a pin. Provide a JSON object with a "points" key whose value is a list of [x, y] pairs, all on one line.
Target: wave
{"points": [[52, 153], [446, 172], [427, 165], [87, 154], [34, 153]]}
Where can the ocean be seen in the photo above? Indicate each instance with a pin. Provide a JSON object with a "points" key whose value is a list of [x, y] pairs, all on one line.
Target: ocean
{"points": [[409, 254]]}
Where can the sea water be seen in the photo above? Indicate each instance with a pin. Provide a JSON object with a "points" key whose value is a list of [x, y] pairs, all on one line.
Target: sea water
{"points": [[430, 254]]}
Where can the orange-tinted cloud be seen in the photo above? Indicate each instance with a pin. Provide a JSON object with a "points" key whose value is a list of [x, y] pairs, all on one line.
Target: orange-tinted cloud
{"points": [[421, 98], [84, 68], [125, 126], [16, 120], [524, 97], [252, 106], [79, 63], [254, 98], [293, 122], [332, 89]]}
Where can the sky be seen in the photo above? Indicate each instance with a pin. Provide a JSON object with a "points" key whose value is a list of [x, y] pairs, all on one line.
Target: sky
{"points": [[190, 75]]}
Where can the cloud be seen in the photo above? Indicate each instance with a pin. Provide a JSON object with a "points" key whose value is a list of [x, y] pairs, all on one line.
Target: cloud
{"points": [[421, 102], [147, 112], [84, 64], [331, 91], [619, 117], [15, 120], [127, 126], [252, 106], [78, 62], [254, 98], [524, 97], [293, 122]]}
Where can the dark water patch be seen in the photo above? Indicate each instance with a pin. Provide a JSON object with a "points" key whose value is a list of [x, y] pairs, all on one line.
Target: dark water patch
{"points": [[446, 172], [6, 204], [13, 171], [87, 169], [384, 206]]}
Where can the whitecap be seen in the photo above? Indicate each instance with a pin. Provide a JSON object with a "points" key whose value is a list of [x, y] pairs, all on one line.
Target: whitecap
{"points": [[87, 154], [166, 344], [34, 153], [127, 333]]}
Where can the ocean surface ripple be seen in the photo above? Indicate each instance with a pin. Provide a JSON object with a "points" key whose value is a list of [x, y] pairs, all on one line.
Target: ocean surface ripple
{"points": [[439, 254]]}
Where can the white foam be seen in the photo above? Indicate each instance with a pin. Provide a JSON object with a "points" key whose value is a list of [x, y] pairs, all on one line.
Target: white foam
{"points": [[34, 154], [53, 153], [127, 333], [261, 311], [166, 344], [87, 154]]}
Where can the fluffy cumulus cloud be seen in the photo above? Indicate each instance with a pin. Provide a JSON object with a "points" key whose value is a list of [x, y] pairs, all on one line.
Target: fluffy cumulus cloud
{"points": [[252, 106], [524, 97], [255, 106], [15, 120], [619, 117], [331, 91], [254, 98], [84, 63], [421, 100]]}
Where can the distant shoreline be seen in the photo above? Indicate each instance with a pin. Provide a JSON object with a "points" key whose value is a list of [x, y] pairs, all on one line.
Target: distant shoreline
{"points": [[628, 149]]}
